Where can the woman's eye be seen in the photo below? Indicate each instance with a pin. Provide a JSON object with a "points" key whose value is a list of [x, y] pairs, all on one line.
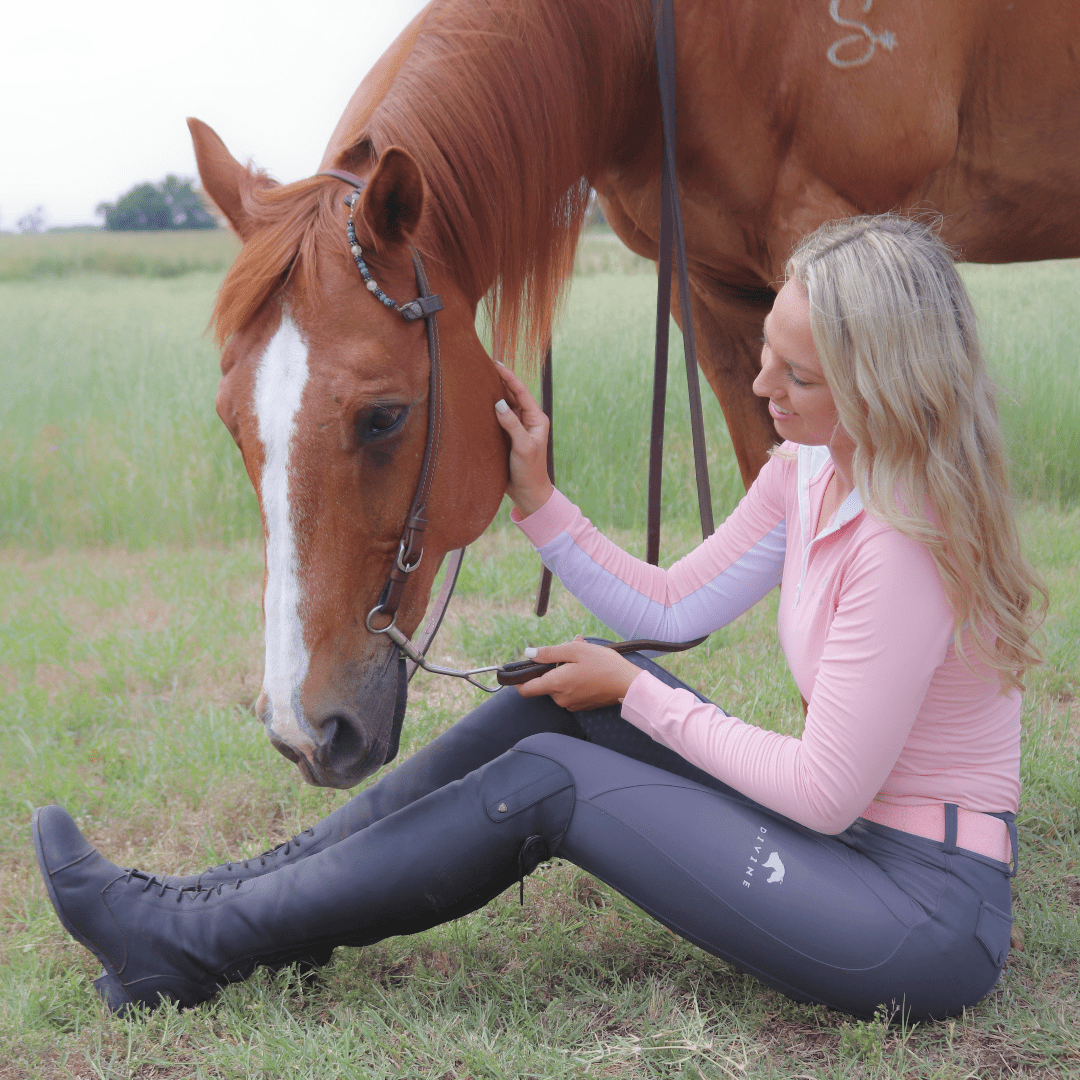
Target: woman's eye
{"points": [[798, 382], [382, 420]]}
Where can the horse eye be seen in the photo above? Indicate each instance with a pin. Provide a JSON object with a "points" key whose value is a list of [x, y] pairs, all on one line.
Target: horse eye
{"points": [[382, 420]]}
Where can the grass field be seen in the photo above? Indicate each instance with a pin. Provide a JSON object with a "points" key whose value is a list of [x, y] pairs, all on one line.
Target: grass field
{"points": [[130, 653], [153, 254]]}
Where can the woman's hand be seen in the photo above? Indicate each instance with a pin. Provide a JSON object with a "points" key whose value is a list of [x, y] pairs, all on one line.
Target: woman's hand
{"points": [[589, 677], [524, 421]]}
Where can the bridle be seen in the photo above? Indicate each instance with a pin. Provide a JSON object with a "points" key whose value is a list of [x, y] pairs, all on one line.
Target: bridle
{"points": [[411, 545]]}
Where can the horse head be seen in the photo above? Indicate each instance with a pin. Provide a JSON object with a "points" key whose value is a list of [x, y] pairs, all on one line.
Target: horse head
{"points": [[325, 391]]}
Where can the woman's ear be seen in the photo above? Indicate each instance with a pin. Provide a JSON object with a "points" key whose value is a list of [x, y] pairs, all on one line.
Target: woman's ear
{"points": [[393, 199]]}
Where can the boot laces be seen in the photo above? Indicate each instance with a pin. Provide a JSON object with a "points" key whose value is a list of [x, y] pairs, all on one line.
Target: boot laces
{"points": [[273, 853], [193, 892]]}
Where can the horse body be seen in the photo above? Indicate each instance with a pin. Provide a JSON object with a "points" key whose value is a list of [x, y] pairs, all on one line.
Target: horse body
{"points": [[788, 117], [973, 113]]}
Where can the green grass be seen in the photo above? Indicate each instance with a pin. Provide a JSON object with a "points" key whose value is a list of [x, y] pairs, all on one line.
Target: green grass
{"points": [[1030, 324], [130, 654], [107, 427], [123, 254], [129, 680]]}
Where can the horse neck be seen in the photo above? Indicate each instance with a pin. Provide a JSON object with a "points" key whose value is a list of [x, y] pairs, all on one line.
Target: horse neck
{"points": [[511, 108]]}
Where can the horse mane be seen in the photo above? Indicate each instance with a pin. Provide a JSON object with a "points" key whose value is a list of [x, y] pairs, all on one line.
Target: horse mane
{"points": [[509, 109]]}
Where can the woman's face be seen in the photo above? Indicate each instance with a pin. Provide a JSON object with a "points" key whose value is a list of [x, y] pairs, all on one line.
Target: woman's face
{"points": [[800, 401]]}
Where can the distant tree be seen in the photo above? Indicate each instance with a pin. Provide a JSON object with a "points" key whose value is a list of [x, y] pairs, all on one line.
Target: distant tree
{"points": [[143, 207], [33, 222], [188, 210], [172, 204]]}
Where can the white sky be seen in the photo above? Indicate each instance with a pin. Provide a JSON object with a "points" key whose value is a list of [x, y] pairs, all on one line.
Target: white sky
{"points": [[93, 95]]}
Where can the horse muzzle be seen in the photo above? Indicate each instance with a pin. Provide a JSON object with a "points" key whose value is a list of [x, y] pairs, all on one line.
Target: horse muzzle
{"points": [[343, 742]]}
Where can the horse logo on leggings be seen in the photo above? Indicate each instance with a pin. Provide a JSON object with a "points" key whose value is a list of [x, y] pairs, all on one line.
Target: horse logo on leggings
{"points": [[777, 867]]}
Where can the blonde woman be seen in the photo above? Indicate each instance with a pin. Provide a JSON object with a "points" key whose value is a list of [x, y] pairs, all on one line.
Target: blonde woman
{"points": [[864, 863]]}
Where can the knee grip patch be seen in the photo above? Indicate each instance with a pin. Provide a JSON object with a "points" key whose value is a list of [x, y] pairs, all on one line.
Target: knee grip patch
{"points": [[518, 781]]}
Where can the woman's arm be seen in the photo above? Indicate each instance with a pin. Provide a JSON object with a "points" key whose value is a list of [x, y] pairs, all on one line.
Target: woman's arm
{"points": [[727, 574], [720, 579]]}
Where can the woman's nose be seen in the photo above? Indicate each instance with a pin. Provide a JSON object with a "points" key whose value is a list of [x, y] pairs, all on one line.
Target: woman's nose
{"points": [[763, 379]]}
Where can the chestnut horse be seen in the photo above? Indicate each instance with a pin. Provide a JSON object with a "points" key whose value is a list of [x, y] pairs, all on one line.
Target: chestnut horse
{"points": [[479, 133]]}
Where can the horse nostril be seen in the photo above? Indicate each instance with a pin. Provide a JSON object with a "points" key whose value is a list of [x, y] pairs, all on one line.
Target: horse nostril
{"points": [[343, 746], [285, 750]]}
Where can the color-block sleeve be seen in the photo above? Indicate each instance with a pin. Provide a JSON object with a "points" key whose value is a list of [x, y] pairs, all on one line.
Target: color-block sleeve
{"points": [[728, 573], [890, 633]]}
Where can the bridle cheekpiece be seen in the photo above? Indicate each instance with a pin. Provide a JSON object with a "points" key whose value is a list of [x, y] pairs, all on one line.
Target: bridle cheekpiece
{"points": [[411, 547]]}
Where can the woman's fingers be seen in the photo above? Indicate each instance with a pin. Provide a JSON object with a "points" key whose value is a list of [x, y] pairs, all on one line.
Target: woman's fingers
{"points": [[588, 676], [525, 423], [528, 446], [567, 652], [532, 416]]}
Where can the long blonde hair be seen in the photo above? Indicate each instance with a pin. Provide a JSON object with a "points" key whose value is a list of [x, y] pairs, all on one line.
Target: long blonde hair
{"points": [[896, 335]]}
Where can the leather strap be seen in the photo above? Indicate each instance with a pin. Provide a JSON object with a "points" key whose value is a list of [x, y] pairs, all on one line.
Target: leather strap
{"points": [[671, 222], [671, 229], [660, 374], [411, 546], [523, 671], [547, 403], [340, 174]]}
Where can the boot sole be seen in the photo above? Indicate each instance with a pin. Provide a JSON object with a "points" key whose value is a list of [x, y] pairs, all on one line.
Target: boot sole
{"points": [[108, 984]]}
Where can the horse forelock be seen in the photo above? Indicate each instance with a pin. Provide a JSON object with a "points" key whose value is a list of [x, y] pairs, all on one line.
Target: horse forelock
{"points": [[285, 225], [507, 108]]}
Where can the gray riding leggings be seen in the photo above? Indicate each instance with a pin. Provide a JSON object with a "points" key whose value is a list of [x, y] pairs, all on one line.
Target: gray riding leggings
{"points": [[872, 916]]}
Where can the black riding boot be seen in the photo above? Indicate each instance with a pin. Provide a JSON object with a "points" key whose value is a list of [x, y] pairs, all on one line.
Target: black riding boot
{"points": [[436, 859], [494, 727]]}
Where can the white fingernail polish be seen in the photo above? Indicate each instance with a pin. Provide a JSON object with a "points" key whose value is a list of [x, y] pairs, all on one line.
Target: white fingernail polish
{"points": [[501, 406], [530, 652]]}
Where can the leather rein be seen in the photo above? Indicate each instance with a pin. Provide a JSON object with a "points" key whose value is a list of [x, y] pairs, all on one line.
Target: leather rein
{"points": [[427, 304]]}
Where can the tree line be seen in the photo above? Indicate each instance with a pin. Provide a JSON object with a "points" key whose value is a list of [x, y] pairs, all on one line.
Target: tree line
{"points": [[172, 204]]}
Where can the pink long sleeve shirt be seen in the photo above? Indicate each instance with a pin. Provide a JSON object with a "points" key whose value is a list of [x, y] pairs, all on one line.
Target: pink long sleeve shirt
{"points": [[895, 718]]}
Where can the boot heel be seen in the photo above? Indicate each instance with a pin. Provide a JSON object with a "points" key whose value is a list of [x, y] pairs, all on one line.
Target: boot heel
{"points": [[112, 991]]}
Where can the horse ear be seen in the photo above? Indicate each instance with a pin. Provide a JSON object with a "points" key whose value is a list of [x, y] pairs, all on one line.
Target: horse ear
{"points": [[222, 176], [394, 197]]}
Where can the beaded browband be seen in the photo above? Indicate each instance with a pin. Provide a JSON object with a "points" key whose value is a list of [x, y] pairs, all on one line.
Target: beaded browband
{"points": [[422, 306]]}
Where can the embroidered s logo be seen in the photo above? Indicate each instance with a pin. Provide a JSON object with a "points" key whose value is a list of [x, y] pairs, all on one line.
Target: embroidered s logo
{"points": [[777, 867]]}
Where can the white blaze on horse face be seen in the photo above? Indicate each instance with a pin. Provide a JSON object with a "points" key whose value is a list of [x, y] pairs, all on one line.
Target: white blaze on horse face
{"points": [[279, 387]]}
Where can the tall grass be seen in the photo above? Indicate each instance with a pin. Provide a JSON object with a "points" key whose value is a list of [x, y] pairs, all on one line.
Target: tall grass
{"points": [[108, 433], [122, 254], [107, 427], [1030, 323]]}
